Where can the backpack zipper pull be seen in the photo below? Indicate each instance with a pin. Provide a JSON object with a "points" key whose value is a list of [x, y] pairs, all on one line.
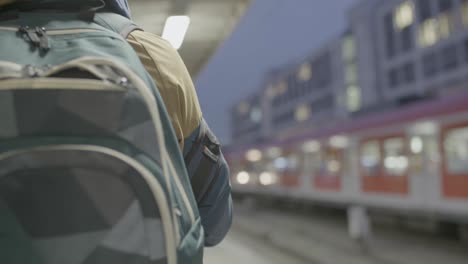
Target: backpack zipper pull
{"points": [[31, 35], [43, 38]]}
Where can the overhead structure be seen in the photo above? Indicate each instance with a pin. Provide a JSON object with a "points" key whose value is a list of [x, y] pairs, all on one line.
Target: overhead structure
{"points": [[210, 22]]}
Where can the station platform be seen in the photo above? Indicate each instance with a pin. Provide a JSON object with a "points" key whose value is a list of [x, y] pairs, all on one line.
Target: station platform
{"points": [[272, 236]]}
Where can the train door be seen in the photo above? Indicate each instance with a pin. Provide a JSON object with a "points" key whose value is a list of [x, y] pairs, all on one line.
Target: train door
{"points": [[454, 149], [312, 163], [331, 169], [424, 167], [290, 177]]}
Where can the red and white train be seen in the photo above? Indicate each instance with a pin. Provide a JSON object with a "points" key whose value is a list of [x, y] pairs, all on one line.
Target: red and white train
{"points": [[410, 160]]}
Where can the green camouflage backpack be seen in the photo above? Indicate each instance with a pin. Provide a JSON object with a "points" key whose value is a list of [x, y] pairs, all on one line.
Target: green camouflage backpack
{"points": [[90, 169]]}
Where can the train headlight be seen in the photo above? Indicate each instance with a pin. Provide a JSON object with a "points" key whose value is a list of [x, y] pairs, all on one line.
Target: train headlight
{"points": [[267, 178], [243, 177]]}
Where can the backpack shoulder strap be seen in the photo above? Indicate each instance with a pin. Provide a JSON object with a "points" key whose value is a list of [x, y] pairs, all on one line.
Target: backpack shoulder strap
{"points": [[116, 23]]}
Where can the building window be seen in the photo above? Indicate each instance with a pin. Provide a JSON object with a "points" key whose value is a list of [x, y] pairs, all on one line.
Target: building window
{"points": [[243, 108], [389, 35], [322, 104], [406, 39], [428, 32], [305, 72], [353, 98], [256, 115], [404, 15], [322, 70], [446, 18], [408, 75], [353, 91], [464, 12], [430, 64], [466, 49], [445, 5], [393, 78], [349, 48], [446, 24], [449, 58], [302, 113], [425, 10]]}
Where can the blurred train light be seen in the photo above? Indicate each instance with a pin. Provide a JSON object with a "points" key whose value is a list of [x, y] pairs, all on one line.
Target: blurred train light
{"points": [[281, 163], [253, 155], [267, 178], [311, 146], [274, 152], [416, 145], [396, 164], [243, 177], [425, 128], [175, 29], [339, 141], [333, 166]]}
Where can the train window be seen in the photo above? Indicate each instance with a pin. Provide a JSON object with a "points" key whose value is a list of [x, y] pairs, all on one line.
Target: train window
{"points": [[370, 158], [331, 163], [456, 151], [395, 159]]}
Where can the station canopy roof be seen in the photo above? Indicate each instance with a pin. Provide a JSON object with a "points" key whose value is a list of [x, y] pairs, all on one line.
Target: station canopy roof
{"points": [[211, 22]]}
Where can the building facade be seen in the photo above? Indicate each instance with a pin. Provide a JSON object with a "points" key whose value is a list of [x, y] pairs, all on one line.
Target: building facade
{"points": [[394, 52]]}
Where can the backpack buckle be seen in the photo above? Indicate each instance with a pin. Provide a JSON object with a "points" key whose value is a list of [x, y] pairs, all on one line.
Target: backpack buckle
{"points": [[36, 36]]}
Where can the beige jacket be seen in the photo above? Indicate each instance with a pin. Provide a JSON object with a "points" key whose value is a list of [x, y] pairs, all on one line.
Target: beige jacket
{"points": [[168, 70]]}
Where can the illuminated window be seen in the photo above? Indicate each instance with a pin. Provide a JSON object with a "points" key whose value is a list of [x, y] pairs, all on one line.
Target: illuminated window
{"points": [[349, 48], [256, 115], [353, 98], [305, 72], [302, 113], [428, 32], [271, 91], [456, 151], [446, 24], [353, 91], [395, 162], [370, 158], [243, 108], [281, 87], [464, 12], [404, 15]]}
